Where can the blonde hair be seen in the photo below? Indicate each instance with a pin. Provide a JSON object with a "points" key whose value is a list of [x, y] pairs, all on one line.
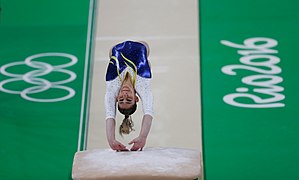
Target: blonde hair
{"points": [[127, 125]]}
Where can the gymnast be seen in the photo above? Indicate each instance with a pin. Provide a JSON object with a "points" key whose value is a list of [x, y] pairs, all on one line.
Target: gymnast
{"points": [[128, 78]]}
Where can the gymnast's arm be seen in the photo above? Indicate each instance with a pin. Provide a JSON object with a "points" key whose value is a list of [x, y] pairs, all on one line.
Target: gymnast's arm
{"points": [[110, 133], [144, 91], [110, 107]]}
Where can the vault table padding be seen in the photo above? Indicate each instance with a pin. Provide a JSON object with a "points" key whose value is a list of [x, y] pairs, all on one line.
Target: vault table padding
{"points": [[151, 163]]}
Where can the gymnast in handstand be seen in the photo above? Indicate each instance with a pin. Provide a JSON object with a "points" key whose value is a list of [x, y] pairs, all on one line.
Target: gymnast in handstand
{"points": [[128, 78]]}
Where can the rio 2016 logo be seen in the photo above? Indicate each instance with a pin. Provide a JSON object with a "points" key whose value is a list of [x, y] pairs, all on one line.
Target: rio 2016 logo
{"points": [[35, 80], [257, 57]]}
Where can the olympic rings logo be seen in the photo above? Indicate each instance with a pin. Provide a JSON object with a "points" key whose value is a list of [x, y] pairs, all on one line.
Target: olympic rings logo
{"points": [[38, 84]]}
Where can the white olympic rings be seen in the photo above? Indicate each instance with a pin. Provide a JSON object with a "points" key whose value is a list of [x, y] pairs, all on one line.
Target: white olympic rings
{"points": [[33, 77]]}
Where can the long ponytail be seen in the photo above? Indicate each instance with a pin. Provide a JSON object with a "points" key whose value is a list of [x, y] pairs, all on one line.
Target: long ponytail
{"points": [[127, 125]]}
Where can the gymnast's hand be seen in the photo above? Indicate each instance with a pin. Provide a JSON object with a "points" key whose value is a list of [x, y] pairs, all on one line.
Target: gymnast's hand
{"points": [[115, 145], [138, 142]]}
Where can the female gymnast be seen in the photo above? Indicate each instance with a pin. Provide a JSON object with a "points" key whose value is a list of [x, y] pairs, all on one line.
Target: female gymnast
{"points": [[128, 77]]}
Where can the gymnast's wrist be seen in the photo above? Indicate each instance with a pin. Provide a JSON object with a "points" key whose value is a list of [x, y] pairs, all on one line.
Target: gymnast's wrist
{"points": [[111, 139], [143, 136]]}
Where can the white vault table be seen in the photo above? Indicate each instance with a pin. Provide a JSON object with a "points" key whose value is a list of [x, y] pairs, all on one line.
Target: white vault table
{"points": [[151, 164]]}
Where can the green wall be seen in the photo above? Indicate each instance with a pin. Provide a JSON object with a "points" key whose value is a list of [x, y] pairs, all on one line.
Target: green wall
{"points": [[253, 132], [39, 139]]}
